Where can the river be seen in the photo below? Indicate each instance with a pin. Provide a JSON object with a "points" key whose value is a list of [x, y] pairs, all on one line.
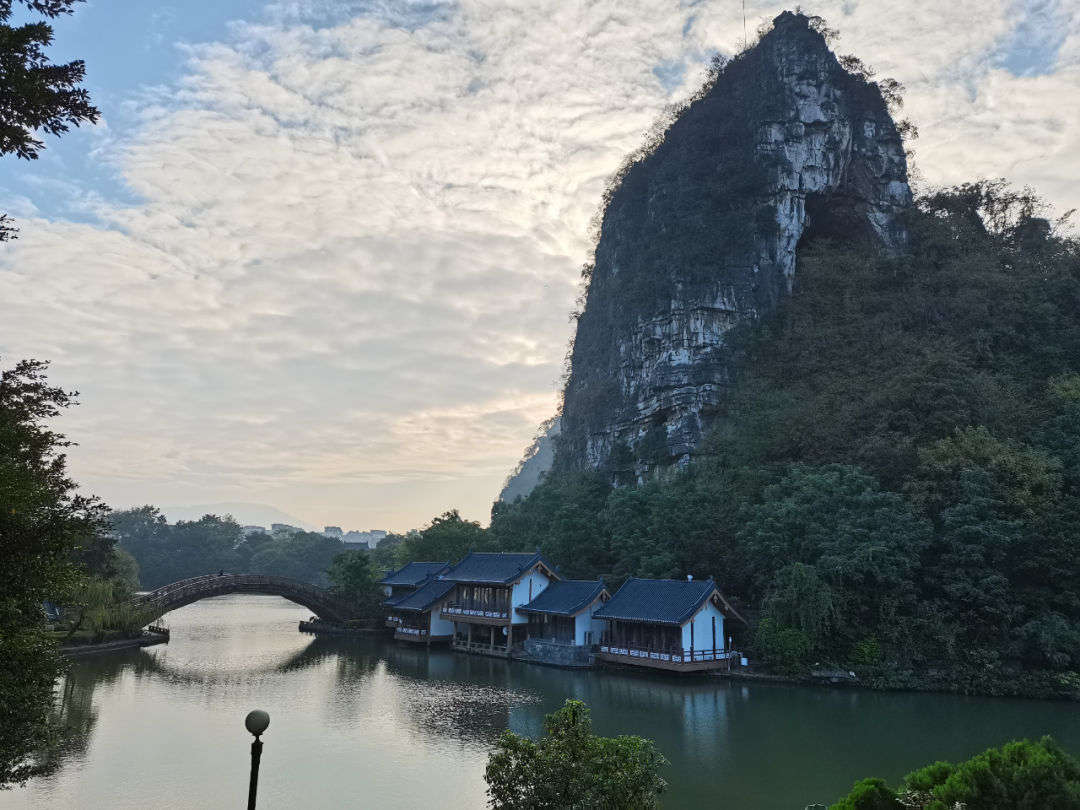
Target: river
{"points": [[375, 724]]}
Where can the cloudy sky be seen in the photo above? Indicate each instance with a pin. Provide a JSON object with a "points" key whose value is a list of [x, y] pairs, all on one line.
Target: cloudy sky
{"points": [[321, 253]]}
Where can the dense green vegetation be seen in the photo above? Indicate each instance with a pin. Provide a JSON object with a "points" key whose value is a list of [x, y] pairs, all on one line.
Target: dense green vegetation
{"points": [[352, 576], [572, 767], [1019, 774], [169, 552], [101, 609], [51, 538], [894, 484]]}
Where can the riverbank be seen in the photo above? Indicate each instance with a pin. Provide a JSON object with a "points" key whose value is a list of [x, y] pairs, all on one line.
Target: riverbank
{"points": [[1028, 685], [147, 639]]}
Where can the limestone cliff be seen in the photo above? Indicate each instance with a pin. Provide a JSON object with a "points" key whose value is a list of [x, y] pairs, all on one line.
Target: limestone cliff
{"points": [[702, 234]]}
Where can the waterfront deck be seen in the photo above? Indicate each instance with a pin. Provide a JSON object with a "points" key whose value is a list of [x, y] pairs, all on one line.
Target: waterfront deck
{"points": [[417, 635], [671, 660], [478, 648]]}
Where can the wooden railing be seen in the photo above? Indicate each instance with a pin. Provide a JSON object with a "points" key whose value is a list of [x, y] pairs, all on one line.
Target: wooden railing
{"points": [[675, 656], [177, 594], [467, 609]]}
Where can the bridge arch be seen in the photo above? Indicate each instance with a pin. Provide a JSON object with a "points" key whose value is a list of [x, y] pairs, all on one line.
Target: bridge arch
{"points": [[320, 601]]}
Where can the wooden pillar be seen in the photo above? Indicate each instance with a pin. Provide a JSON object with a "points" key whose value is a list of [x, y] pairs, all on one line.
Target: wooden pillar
{"points": [[509, 637], [469, 625]]}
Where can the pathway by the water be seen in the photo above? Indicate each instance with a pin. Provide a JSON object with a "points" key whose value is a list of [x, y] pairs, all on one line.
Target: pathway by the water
{"points": [[373, 724]]}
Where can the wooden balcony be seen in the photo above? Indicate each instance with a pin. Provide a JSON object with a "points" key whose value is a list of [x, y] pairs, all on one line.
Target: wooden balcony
{"points": [[417, 635], [476, 614], [393, 621], [672, 660]]}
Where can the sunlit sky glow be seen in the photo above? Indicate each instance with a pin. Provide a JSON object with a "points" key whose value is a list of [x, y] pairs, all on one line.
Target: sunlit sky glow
{"points": [[321, 255]]}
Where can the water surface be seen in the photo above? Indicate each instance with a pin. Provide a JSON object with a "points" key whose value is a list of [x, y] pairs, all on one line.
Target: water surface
{"points": [[374, 724]]}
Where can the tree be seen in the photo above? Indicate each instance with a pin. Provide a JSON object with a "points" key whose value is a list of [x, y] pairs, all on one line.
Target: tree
{"points": [[572, 767], [384, 555], [45, 524], [862, 542], [36, 95], [351, 576], [448, 537], [1019, 774], [799, 599]]}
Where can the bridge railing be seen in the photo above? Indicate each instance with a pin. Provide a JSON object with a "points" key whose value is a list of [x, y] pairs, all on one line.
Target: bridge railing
{"points": [[179, 586], [212, 582]]}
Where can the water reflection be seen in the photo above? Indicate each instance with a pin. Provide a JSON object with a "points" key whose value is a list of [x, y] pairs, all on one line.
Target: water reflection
{"points": [[400, 726]]}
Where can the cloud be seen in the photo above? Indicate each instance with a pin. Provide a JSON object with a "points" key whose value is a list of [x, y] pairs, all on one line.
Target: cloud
{"points": [[341, 280]]}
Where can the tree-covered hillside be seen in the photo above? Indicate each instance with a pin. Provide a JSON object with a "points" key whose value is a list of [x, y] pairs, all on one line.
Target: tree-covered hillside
{"points": [[894, 484]]}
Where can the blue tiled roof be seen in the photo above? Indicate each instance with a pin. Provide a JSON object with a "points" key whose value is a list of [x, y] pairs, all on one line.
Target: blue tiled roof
{"points": [[566, 597], [658, 601], [494, 567], [426, 595], [414, 573]]}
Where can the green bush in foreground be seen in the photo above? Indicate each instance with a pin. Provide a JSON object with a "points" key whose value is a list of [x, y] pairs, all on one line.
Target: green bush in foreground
{"points": [[1020, 775], [573, 768]]}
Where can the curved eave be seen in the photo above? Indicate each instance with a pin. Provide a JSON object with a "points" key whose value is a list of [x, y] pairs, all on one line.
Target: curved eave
{"points": [[724, 605]]}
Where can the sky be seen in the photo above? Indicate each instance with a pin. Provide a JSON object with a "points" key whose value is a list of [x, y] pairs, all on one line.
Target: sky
{"points": [[321, 254]]}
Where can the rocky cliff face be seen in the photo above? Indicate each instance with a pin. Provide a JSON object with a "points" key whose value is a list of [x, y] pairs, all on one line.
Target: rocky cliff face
{"points": [[703, 234]]}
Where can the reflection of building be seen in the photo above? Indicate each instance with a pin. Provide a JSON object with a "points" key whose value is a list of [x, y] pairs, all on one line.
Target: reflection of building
{"points": [[666, 624], [489, 588]]}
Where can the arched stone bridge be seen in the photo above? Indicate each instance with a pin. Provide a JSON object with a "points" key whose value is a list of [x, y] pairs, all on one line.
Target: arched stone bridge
{"points": [[320, 601]]}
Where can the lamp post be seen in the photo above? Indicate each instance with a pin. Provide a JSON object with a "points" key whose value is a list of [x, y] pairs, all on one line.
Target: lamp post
{"points": [[256, 722]]}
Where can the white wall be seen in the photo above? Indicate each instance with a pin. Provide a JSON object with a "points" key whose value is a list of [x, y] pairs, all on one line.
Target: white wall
{"points": [[520, 594], [584, 621], [440, 626], [702, 623]]}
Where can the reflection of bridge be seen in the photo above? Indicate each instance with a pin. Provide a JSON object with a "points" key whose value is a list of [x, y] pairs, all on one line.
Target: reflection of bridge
{"points": [[320, 601]]}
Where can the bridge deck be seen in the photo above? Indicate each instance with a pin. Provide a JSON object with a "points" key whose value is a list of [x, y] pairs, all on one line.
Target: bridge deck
{"points": [[322, 602]]}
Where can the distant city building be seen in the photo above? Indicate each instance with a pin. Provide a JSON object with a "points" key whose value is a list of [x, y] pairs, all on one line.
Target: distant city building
{"points": [[358, 539], [332, 531], [248, 530], [284, 528]]}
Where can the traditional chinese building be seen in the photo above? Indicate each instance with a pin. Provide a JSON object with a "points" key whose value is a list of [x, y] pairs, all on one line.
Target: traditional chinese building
{"points": [[666, 624], [404, 581], [562, 628], [563, 612], [489, 589], [416, 616]]}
